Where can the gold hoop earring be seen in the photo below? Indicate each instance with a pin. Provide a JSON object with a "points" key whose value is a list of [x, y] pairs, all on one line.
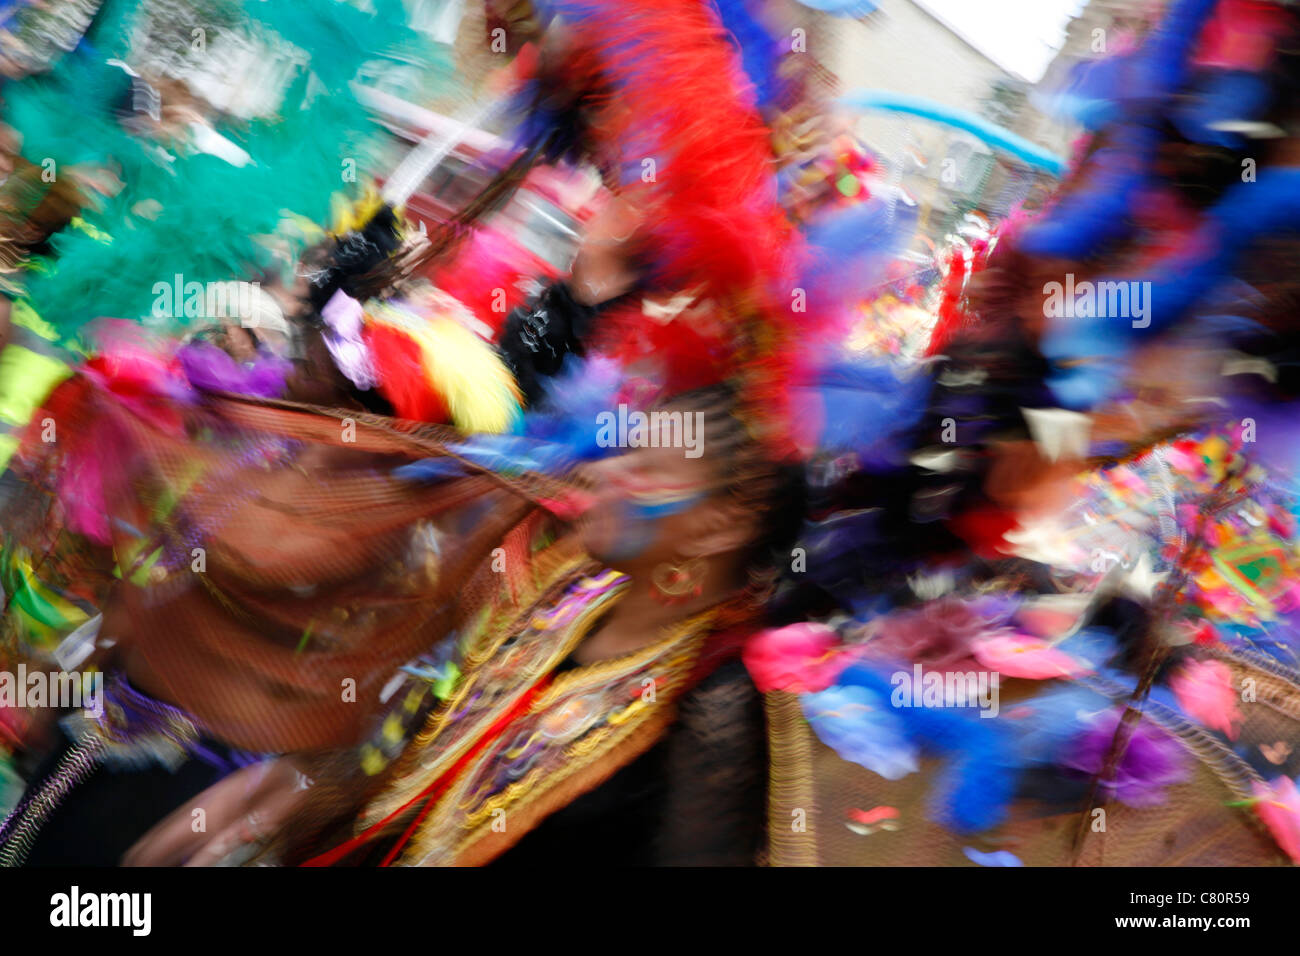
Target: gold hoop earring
{"points": [[674, 583]]}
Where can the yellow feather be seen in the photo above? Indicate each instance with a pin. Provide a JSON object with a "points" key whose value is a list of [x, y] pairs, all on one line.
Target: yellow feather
{"points": [[479, 390]]}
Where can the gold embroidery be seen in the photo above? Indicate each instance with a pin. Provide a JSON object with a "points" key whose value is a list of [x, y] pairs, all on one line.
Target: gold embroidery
{"points": [[570, 730], [419, 766], [583, 755]]}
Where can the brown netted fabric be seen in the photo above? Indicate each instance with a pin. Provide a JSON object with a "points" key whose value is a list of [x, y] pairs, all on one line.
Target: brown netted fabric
{"points": [[1194, 829], [1197, 825], [274, 573]]}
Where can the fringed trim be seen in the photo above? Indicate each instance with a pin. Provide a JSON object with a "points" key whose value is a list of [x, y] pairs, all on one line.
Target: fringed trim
{"points": [[792, 834]]}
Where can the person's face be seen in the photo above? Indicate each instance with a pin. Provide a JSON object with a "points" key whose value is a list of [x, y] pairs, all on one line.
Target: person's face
{"points": [[603, 268], [648, 507], [238, 343]]}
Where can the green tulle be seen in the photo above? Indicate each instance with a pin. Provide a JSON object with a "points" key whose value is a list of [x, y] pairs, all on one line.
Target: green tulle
{"points": [[197, 215]]}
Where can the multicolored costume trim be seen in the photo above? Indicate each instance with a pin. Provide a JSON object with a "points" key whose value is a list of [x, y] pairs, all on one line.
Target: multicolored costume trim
{"points": [[516, 741]]}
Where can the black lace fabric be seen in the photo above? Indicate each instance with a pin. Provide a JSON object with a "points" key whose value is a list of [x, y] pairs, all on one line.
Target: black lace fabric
{"points": [[539, 335]]}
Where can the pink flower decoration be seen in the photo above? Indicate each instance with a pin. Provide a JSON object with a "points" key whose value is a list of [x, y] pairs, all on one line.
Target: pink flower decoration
{"points": [[1224, 601], [1189, 517], [1180, 459], [1045, 620], [1289, 599], [1019, 655], [800, 658], [1130, 481], [1205, 692], [1278, 806], [1200, 632], [937, 634]]}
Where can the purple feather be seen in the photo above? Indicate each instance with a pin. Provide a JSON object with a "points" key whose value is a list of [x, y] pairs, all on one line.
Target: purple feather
{"points": [[210, 369], [1152, 760]]}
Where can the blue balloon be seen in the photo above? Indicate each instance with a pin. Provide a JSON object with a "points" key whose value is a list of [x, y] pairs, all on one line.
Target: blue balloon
{"points": [[1001, 139], [842, 8]]}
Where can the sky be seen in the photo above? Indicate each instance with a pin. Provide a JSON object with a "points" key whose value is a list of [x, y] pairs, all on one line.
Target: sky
{"points": [[1021, 36]]}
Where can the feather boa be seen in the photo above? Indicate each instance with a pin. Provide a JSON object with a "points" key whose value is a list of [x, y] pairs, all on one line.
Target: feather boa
{"points": [[691, 152], [194, 214]]}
